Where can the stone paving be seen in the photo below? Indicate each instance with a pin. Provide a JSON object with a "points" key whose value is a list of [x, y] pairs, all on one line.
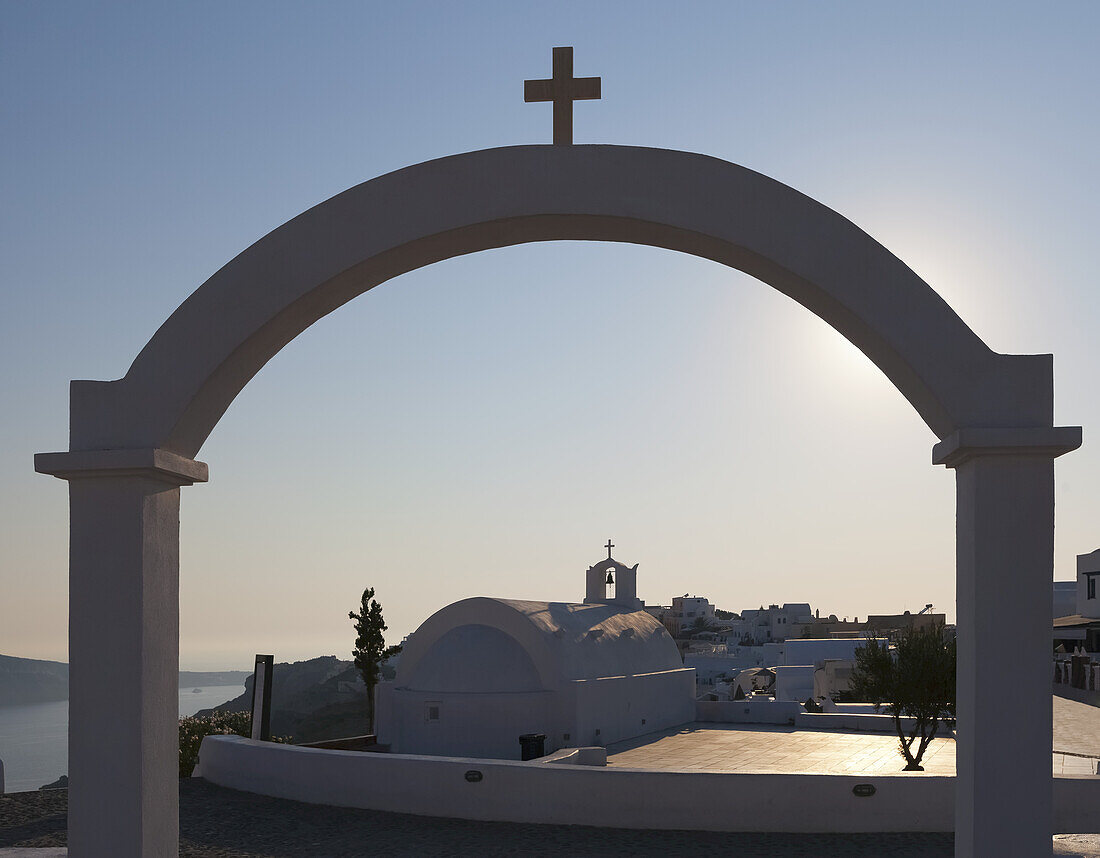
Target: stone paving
{"points": [[765, 748], [1076, 727], [768, 748], [1069, 764]]}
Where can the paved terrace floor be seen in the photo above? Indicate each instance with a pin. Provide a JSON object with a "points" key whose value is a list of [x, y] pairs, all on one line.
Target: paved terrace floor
{"points": [[763, 748]]}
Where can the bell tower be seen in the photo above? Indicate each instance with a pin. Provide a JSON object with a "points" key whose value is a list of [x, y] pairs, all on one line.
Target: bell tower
{"points": [[610, 582]]}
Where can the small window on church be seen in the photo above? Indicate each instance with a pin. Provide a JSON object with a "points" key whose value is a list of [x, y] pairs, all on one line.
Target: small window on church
{"points": [[432, 712], [1091, 586]]}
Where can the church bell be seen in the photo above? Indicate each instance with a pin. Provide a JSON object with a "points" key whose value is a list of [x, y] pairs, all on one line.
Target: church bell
{"points": [[610, 578]]}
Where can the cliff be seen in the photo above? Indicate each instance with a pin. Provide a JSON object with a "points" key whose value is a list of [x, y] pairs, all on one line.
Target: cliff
{"points": [[322, 698], [31, 680]]}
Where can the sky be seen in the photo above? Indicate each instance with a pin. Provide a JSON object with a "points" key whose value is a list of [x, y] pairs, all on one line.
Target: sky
{"points": [[482, 426]]}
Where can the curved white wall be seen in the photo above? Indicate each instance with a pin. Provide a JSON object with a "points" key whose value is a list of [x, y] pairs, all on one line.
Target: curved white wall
{"points": [[563, 794]]}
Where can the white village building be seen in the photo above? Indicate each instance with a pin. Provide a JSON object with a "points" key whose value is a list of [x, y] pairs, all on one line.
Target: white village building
{"points": [[1080, 630], [480, 673]]}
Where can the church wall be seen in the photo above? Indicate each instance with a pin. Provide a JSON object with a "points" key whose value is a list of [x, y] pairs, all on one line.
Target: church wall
{"points": [[621, 707], [464, 725]]}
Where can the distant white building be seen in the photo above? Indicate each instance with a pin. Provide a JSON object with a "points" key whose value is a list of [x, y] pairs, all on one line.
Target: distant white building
{"points": [[480, 673], [803, 668], [819, 667], [687, 611], [1081, 629], [1065, 598], [772, 623]]}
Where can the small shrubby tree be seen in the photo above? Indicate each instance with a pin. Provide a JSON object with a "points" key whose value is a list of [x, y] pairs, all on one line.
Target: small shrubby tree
{"points": [[699, 625], [194, 728], [915, 681], [370, 646]]}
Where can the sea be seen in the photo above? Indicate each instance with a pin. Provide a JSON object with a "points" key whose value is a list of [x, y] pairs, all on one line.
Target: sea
{"points": [[34, 739]]}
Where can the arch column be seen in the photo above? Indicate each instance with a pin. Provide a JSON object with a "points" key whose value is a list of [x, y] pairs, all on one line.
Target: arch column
{"points": [[1004, 566], [123, 648]]}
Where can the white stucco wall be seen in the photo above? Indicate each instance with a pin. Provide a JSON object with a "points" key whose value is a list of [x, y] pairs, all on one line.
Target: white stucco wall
{"points": [[1088, 563], [748, 711], [478, 725], [622, 707], [794, 682], [812, 650]]}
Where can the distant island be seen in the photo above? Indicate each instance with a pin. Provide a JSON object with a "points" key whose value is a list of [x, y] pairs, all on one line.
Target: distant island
{"points": [[197, 679], [32, 680]]}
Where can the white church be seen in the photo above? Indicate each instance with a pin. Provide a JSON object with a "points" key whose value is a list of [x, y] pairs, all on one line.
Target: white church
{"points": [[480, 673]]}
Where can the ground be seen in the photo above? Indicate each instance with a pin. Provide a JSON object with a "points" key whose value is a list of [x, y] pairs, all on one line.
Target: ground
{"points": [[221, 823]]}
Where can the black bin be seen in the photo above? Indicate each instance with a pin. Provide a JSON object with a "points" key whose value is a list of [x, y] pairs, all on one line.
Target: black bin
{"points": [[532, 746]]}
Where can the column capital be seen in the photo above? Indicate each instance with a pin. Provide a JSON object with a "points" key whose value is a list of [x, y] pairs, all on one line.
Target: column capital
{"points": [[151, 463], [972, 441]]}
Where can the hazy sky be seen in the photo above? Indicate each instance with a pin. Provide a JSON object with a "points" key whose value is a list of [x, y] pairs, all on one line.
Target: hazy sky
{"points": [[482, 426]]}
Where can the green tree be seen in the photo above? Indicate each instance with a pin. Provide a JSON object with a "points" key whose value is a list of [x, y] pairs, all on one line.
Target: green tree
{"points": [[915, 681], [193, 729], [700, 624], [370, 646]]}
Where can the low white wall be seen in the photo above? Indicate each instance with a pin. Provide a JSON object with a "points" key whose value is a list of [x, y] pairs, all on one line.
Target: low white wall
{"points": [[593, 756], [1077, 804], [747, 711], [578, 795], [613, 797], [865, 722]]}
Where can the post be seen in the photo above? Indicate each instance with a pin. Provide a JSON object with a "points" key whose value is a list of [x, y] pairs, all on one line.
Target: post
{"points": [[1004, 569], [261, 697], [123, 648]]}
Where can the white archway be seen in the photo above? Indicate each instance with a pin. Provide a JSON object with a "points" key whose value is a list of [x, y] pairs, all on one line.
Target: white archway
{"points": [[132, 441]]}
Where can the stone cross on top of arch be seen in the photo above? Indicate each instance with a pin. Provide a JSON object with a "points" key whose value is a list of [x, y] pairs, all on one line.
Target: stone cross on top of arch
{"points": [[562, 89], [609, 546]]}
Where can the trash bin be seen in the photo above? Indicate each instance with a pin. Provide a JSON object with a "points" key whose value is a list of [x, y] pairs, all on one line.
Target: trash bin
{"points": [[532, 746]]}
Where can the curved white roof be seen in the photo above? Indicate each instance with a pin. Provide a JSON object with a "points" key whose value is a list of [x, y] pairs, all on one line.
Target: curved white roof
{"points": [[462, 645]]}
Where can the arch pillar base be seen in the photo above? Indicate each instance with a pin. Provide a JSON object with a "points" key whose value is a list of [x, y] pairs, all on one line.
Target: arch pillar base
{"points": [[123, 648], [1004, 566]]}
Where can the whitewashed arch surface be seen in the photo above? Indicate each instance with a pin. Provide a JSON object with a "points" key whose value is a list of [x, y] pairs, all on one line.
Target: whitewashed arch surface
{"points": [[190, 371]]}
